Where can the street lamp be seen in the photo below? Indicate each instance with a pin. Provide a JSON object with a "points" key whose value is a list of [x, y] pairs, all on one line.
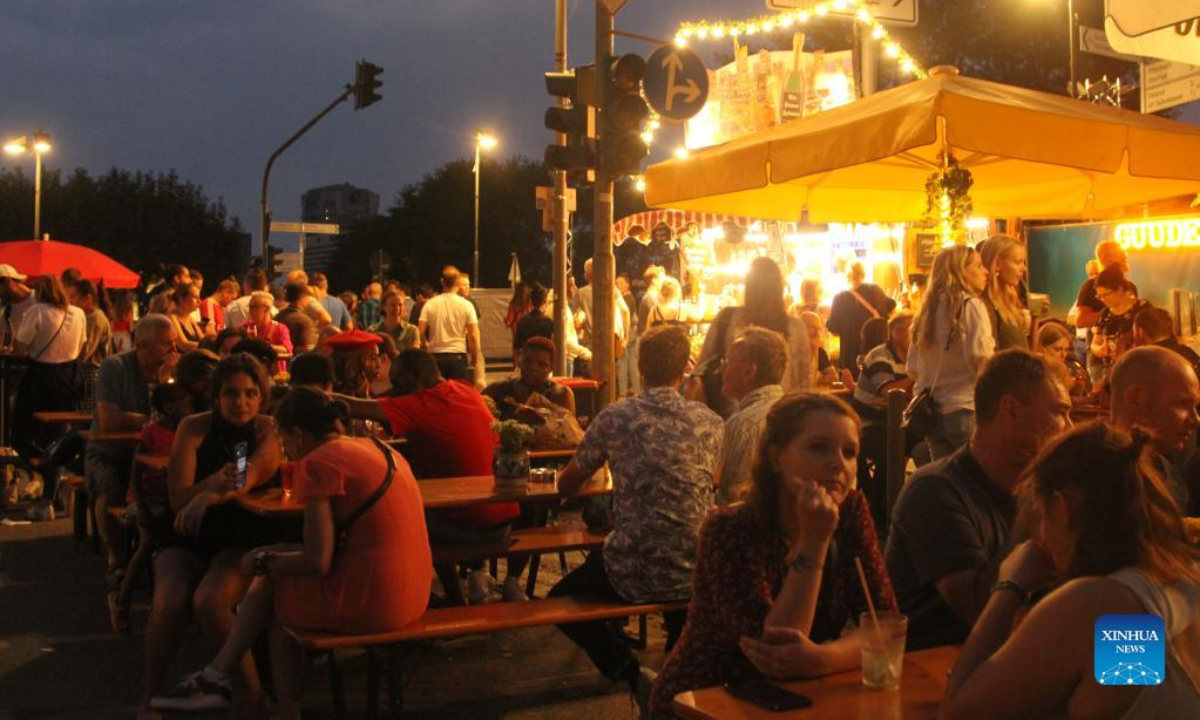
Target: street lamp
{"points": [[39, 145], [1073, 38], [483, 141]]}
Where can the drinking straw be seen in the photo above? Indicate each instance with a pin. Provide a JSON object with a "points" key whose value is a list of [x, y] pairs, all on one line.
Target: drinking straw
{"points": [[862, 576]]}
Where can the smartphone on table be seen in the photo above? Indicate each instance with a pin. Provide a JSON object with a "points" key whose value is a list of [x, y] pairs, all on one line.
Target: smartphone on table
{"points": [[241, 458], [767, 695]]}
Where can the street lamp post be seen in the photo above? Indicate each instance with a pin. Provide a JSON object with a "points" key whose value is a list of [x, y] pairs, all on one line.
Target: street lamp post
{"points": [[1073, 43], [40, 144], [483, 141]]}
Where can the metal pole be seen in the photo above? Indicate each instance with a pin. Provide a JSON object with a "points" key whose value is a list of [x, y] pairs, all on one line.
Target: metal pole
{"points": [[869, 62], [602, 259], [559, 207], [37, 195], [475, 277], [266, 212], [1072, 23]]}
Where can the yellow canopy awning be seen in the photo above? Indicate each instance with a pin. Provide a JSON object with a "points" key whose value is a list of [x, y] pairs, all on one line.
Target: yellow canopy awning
{"points": [[1032, 154]]}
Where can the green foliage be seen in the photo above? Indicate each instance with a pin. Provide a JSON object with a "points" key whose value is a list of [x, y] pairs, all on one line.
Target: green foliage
{"points": [[514, 436], [954, 184], [431, 224], [140, 219]]}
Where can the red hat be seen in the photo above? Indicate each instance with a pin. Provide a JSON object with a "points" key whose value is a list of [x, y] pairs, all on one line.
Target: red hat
{"points": [[354, 340]]}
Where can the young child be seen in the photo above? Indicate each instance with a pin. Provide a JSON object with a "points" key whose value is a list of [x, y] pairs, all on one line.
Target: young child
{"points": [[147, 502]]}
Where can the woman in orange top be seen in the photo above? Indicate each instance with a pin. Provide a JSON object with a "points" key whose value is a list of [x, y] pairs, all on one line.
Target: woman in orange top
{"points": [[376, 581]]}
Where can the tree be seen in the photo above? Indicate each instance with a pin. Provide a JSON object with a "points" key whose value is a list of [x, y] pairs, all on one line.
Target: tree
{"points": [[142, 220]]}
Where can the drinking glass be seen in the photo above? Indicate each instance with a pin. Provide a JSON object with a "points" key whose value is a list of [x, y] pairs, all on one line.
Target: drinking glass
{"points": [[883, 651], [286, 473]]}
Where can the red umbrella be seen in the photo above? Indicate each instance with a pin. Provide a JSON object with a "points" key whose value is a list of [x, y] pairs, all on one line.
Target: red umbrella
{"points": [[50, 257]]}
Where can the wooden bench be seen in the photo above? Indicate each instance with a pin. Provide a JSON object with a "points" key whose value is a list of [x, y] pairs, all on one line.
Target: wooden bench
{"points": [[533, 541], [457, 621]]}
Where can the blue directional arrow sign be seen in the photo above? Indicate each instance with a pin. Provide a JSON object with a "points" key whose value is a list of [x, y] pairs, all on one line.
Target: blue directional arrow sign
{"points": [[676, 83]]}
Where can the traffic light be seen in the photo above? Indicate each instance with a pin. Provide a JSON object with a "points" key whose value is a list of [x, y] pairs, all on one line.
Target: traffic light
{"points": [[577, 121], [272, 262], [623, 117], [366, 84]]}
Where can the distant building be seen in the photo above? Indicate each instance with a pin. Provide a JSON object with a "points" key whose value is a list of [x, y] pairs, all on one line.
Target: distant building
{"points": [[341, 204]]}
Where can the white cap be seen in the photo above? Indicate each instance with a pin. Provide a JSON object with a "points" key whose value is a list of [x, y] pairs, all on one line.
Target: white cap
{"points": [[8, 271]]}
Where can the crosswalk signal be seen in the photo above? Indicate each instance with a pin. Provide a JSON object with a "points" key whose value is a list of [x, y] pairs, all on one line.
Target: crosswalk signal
{"points": [[366, 84], [623, 117], [577, 121]]}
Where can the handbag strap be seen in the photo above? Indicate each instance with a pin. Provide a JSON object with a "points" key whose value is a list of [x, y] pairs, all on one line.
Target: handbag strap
{"points": [[52, 337], [344, 526], [863, 301]]}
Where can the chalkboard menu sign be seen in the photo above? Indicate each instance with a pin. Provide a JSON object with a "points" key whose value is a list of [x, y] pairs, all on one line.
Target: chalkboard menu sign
{"points": [[924, 244]]}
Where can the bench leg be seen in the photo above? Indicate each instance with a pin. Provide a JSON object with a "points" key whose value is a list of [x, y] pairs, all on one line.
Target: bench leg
{"points": [[372, 684], [535, 561], [337, 687], [395, 679], [79, 515], [642, 633]]}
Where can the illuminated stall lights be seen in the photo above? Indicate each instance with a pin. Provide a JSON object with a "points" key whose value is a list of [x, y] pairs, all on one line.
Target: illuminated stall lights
{"points": [[1159, 234], [718, 29]]}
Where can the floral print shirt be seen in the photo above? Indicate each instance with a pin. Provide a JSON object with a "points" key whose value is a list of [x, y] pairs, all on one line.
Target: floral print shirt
{"points": [[662, 451]]}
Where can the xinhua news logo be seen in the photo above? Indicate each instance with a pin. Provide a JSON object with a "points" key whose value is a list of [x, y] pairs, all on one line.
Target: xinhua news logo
{"points": [[1130, 650]]}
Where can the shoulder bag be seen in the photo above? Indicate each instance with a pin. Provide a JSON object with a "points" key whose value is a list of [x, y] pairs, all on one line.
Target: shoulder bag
{"points": [[921, 415], [342, 529]]}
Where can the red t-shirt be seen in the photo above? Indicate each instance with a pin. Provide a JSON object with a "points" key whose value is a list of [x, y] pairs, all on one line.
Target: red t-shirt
{"points": [[449, 432]]}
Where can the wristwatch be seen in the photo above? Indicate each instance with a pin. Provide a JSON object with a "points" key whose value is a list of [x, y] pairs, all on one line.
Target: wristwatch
{"points": [[262, 563], [1013, 585]]}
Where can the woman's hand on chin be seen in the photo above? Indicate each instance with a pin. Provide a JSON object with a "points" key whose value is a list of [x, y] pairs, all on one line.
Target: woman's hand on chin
{"points": [[816, 518], [785, 654]]}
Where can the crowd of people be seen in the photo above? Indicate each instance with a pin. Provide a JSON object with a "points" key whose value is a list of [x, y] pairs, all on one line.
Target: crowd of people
{"points": [[741, 481]]}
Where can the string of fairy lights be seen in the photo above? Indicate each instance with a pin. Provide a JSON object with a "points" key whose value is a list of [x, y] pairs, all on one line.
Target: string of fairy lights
{"points": [[789, 21]]}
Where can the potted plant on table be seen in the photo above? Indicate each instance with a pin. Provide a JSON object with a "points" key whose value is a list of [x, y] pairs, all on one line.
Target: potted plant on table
{"points": [[510, 462]]}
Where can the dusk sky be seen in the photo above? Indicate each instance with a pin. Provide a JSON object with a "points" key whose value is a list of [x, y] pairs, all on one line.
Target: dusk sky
{"points": [[211, 88]]}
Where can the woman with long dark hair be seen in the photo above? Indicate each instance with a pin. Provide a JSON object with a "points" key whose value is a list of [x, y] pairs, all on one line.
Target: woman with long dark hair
{"points": [[1114, 538], [197, 566], [766, 307]]}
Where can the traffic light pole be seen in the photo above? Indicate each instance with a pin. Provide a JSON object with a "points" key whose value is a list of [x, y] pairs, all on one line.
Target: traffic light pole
{"points": [[603, 355], [266, 212], [559, 211]]}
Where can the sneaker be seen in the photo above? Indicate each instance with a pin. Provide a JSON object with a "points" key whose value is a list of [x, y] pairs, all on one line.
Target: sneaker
{"points": [[41, 512], [513, 592], [195, 692], [479, 586]]}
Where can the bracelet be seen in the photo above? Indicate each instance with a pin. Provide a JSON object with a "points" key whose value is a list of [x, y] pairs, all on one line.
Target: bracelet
{"points": [[1014, 586], [262, 561], [802, 562]]}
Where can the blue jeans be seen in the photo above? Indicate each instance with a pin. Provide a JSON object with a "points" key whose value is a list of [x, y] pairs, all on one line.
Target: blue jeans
{"points": [[628, 380], [953, 430]]}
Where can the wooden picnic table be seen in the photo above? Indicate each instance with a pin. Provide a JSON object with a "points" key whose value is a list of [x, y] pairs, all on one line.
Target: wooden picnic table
{"points": [[126, 437], [438, 493], [843, 695], [67, 417]]}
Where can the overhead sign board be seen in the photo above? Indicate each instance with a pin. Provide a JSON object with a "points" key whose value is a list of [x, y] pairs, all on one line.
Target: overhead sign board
{"points": [[676, 83], [1094, 41], [307, 228], [1166, 84], [1138, 17], [1179, 42], [888, 12]]}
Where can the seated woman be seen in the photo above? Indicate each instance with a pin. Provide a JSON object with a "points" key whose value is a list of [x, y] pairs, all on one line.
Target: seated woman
{"points": [[1055, 341], [356, 362], [393, 322], [376, 581], [823, 371], [185, 300], [766, 568], [535, 364], [262, 326], [1112, 533], [196, 568]]}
